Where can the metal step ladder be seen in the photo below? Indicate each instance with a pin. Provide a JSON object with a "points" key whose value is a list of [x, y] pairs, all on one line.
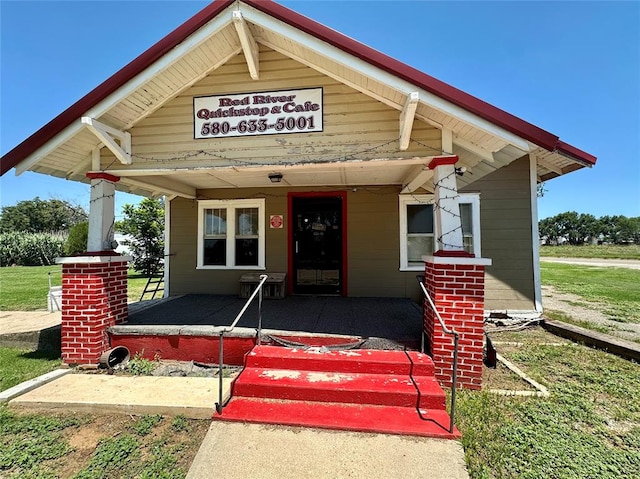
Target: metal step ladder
{"points": [[155, 283]]}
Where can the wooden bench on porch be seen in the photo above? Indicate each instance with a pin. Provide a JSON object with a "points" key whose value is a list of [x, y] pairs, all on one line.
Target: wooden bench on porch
{"points": [[274, 287]]}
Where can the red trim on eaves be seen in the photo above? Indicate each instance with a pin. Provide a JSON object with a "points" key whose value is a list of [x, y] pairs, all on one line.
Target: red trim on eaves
{"points": [[573, 152], [118, 79], [447, 92]]}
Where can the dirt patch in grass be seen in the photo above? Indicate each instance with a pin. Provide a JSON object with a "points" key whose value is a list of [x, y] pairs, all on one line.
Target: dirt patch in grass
{"points": [[503, 378], [66, 445], [572, 308]]}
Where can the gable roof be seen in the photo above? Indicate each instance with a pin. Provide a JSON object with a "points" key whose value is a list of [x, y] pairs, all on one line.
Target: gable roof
{"points": [[471, 104]]}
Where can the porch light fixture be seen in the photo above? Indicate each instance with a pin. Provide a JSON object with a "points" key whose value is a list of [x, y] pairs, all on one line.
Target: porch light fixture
{"points": [[461, 171], [275, 177]]}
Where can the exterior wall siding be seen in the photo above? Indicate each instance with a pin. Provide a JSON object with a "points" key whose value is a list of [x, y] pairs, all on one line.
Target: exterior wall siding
{"points": [[372, 235], [373, 241], [505, 213]]}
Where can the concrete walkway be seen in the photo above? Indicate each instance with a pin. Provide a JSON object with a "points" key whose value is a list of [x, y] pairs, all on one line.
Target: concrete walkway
{"points": [[12, 322], [102, 394], [236, 450]]}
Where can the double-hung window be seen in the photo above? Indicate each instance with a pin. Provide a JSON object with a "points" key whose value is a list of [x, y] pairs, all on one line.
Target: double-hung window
{"points": [[418, 229], [231, 234]]}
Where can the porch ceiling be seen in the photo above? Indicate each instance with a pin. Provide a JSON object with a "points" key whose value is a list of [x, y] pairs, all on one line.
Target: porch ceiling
{"points": [[346, 173], [482, 146]]}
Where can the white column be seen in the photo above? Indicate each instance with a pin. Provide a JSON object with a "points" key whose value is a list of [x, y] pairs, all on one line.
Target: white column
{"points": [[535, 233], [446, 207], [101, 211], [167, 244]]}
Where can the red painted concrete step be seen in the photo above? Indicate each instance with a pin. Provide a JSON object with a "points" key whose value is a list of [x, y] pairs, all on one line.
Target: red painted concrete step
{"points": [[364, 390], [351, 417], [349, 361], [359, 388]]}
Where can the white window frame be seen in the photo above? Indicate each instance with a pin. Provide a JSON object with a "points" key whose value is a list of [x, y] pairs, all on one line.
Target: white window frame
{"points": [[406, 200], [231, 206]]}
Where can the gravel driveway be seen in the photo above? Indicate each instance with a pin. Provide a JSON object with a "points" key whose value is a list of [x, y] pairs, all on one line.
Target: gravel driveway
{"points": [[606, 263]]}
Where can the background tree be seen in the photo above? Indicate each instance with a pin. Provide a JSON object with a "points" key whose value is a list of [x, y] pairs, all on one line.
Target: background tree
{"points": [[145, 225], [580, 228], [629, 230], [548, 229], [41, 216], [77, 240], [568, 227]]}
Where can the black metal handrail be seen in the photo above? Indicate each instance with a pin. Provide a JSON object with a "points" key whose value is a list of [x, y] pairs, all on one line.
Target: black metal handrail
{"points": [[228, 329], [451, 331]]}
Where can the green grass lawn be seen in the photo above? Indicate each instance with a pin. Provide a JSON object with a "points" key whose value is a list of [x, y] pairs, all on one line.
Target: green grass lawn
{"points": [[618, 289], [588, 428], [25, 288], [589, 251], [135, 285], [19, 365]]}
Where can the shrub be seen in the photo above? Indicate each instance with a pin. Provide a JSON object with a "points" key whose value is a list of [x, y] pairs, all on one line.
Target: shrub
{"points": [[77, 240], [30, 249], [144, 223]]}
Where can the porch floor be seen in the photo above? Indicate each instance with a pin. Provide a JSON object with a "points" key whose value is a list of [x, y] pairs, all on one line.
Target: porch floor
{"points": [[397, 319]]}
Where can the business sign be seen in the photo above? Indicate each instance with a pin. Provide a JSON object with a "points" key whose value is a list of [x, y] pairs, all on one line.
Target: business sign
{"points": [[266, 113]]}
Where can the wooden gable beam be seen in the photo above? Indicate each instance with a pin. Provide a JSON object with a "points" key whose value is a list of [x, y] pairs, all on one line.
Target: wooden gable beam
{"points": [[407, 116], [549, 166], [446, 141], [248, 43], [416, 178], [165, 186], [475, 149], [107, 135]]}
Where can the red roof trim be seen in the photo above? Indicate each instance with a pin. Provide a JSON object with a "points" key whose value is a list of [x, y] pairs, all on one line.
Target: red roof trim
{"points": [[447, 92], [568, 150]]}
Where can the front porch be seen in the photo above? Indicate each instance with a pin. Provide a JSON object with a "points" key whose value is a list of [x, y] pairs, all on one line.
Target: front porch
{"points": [[395, 319], [188, 327]]}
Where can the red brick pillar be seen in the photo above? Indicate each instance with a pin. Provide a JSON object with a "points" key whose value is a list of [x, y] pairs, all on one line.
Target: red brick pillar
{"points": [[94, 297], [456, 286]]}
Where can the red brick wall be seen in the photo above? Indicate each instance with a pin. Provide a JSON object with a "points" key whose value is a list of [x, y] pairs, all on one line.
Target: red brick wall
{"points": [[458, 294], [94, 297]]}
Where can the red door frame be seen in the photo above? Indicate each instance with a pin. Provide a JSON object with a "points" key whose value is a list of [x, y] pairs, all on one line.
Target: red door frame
{"points": [[316, 194]]}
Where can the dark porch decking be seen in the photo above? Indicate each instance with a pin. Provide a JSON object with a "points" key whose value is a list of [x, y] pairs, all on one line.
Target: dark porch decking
{"points": [[397, 319]]}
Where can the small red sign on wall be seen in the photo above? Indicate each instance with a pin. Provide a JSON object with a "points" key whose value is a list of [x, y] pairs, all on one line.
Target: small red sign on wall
{"points": [[276, 221]]}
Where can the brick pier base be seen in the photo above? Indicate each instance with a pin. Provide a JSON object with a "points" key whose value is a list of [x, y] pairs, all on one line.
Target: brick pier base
{"points": [[94, 297], [456, 286]]}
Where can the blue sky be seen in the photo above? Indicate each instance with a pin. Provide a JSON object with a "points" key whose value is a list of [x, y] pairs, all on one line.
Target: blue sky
{"points": [[571, 68]]}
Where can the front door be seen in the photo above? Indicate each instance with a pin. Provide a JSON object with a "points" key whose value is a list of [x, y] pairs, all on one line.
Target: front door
{"points": [[317, 244]]}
